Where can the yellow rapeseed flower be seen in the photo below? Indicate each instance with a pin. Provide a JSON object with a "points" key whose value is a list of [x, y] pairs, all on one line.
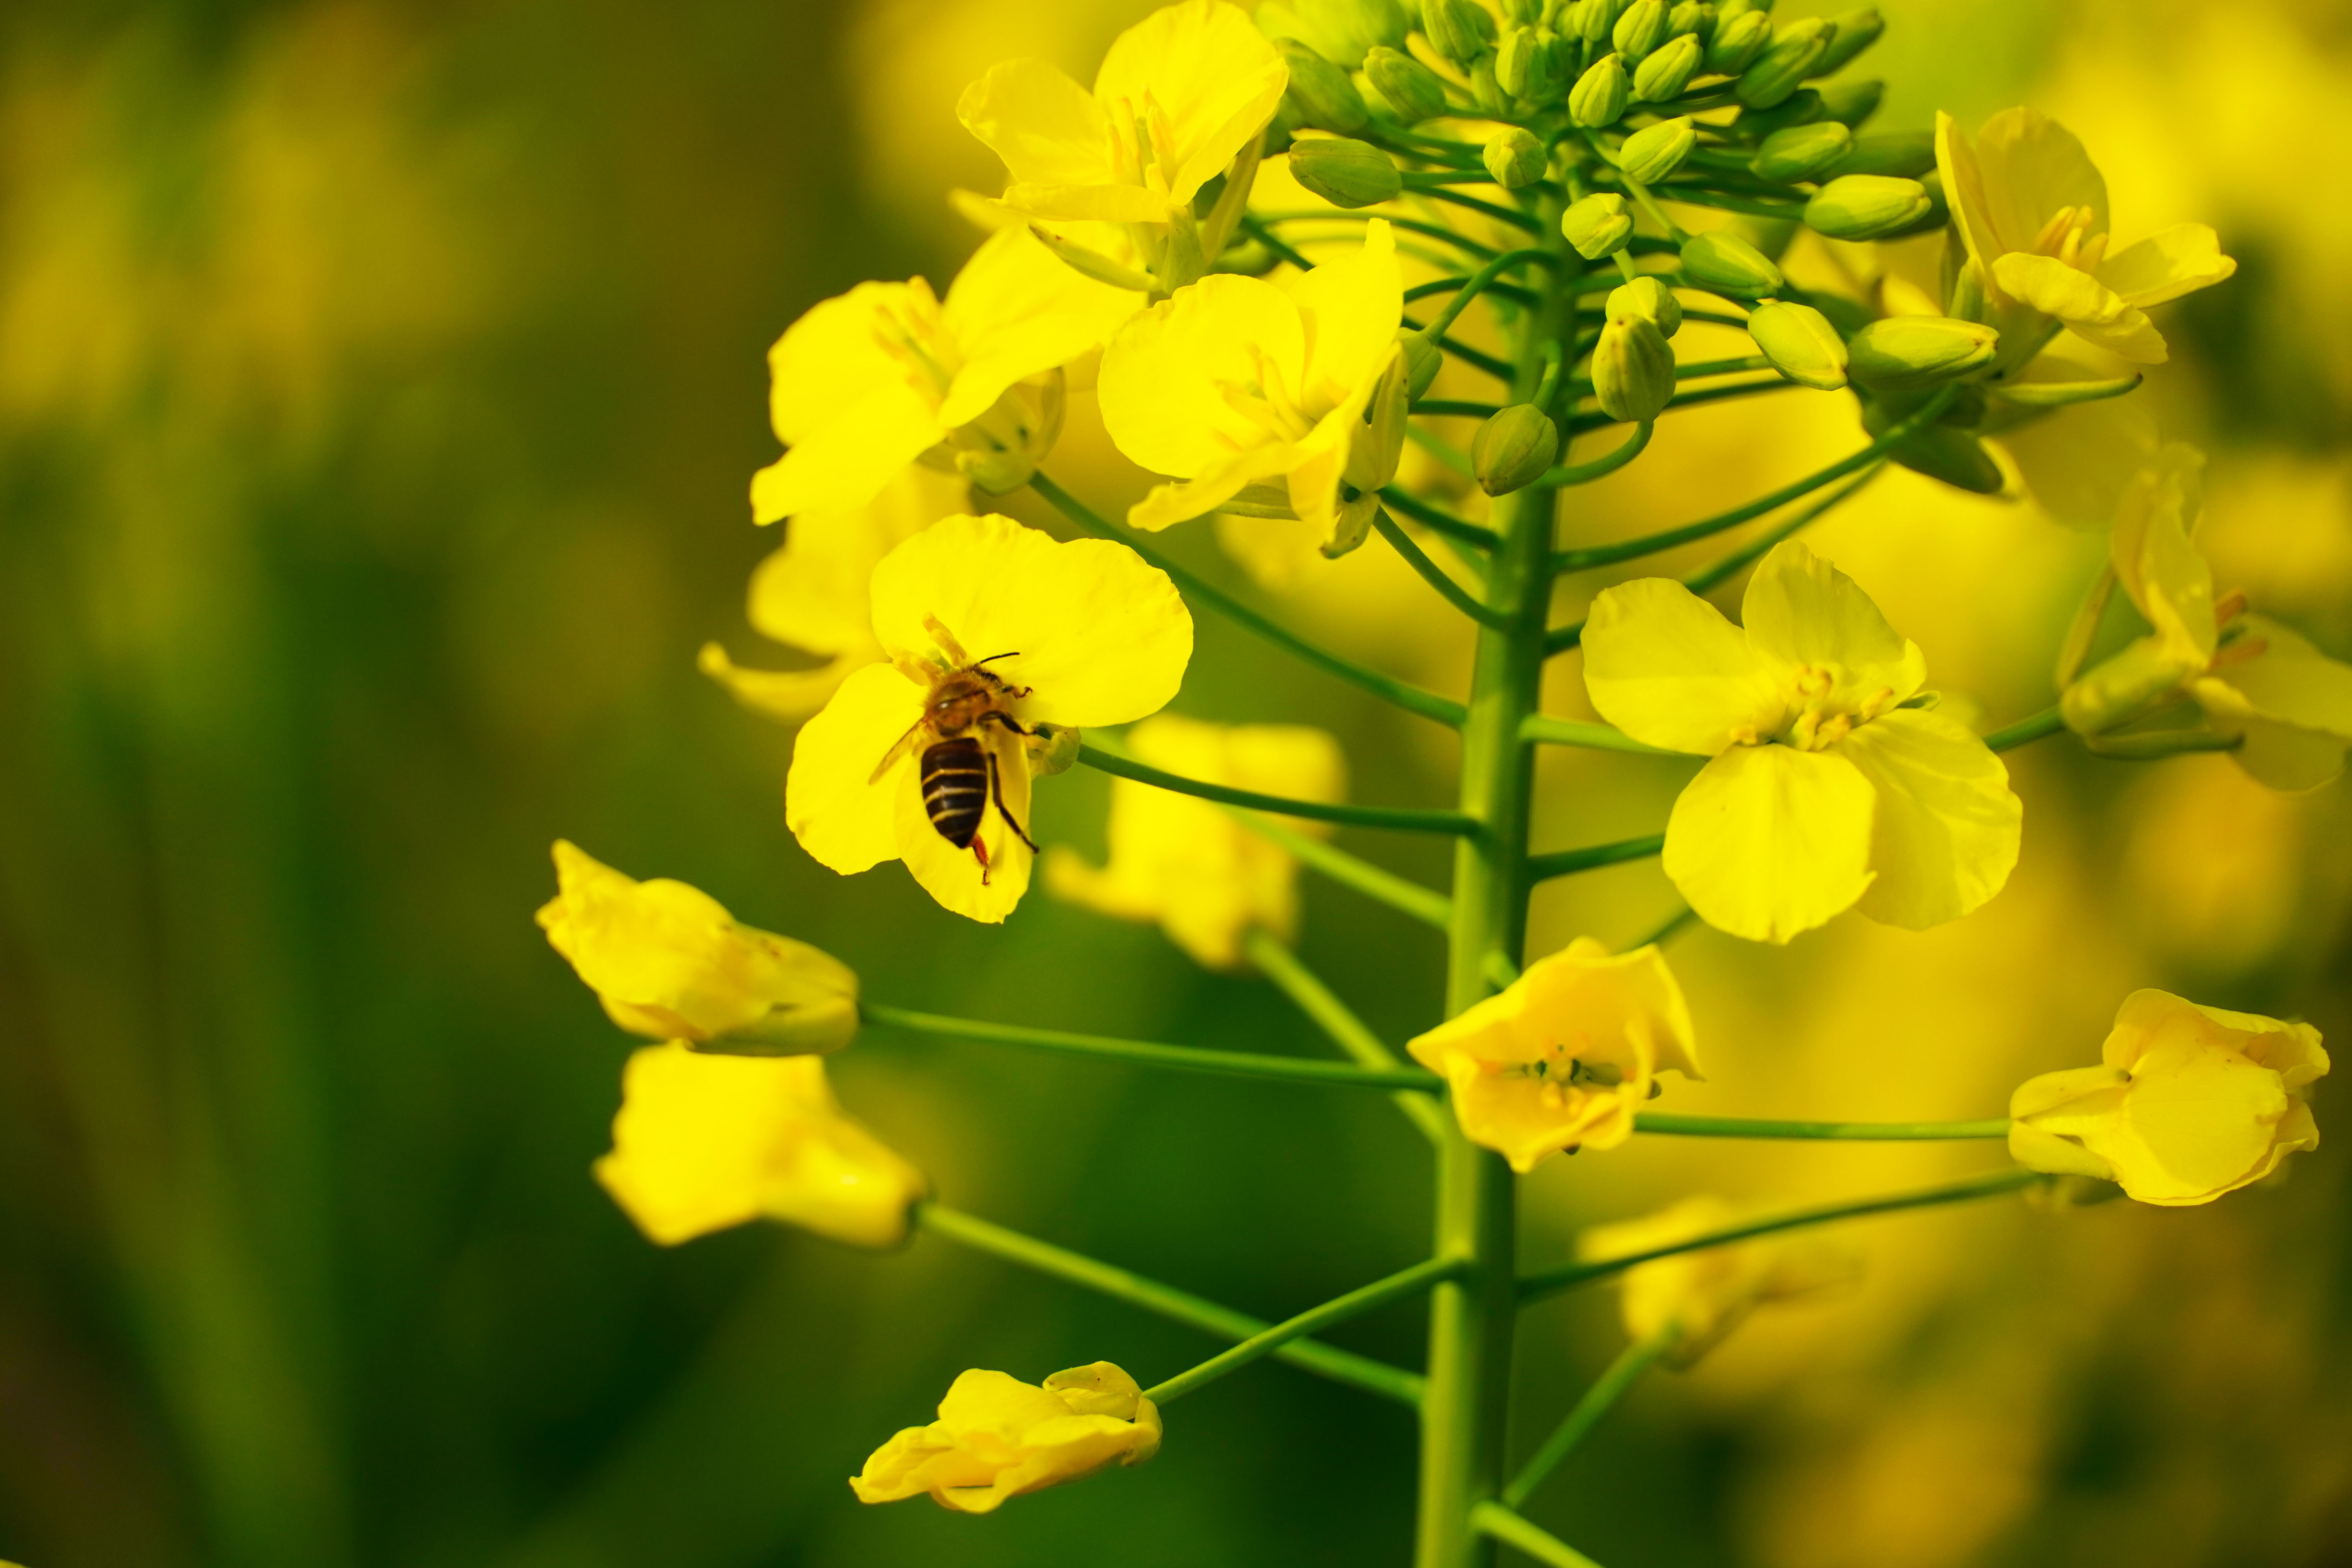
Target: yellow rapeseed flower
{"points": [[1825, 791], [1190, 865], [2077, 460], [1701, 1296], [2188, 1102], [997, 1437], [1236, 383], [991, 629], [1177, 98], [2288, 705], [1563, 1057], [870, 381], [670, 963], [2031, 208], [703, 1143]]}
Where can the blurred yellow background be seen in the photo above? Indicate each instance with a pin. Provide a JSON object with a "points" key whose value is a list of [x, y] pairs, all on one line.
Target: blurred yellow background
{"points": [[378, 387]]}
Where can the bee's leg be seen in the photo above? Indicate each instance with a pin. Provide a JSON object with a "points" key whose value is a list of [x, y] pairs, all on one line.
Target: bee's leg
{"points": [[1007, 719], [980, 853], [996, 789]]}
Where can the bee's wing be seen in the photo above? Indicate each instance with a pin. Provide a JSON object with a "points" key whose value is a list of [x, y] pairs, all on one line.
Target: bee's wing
{"points": [[905, 744]]}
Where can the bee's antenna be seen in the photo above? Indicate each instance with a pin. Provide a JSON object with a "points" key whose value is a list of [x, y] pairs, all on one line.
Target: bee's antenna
{"points": [[991, 658]]}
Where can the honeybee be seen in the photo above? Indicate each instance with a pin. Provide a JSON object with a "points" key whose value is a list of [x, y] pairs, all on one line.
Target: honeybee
{"points": [[958, 774]]}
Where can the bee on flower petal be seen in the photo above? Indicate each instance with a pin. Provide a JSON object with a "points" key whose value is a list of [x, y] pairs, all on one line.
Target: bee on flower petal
{"points": [[960, 775]]}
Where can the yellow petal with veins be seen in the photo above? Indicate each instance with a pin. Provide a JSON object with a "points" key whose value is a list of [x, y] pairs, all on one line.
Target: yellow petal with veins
{"points": [[1945, 825], [842, 817], [1770, 841], [1804, 613], [1665, 667]]}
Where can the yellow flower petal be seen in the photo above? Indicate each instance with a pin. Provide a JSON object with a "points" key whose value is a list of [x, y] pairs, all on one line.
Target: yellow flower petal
{"points": [[1705, 1294], [1017, 309], [2021, 169], [2089, 308], [1805, 613], [1048, 130], [2165, 577], [2291, 705], [2166, 265], [1163, 377], [842, 464], [998, 1437], [845, 822], [842, 401], [1164, 506], [1665, 667], [811, 593], [954, 876], [2077, 461], [790, 695], [1946, 825], [1770, 841], [1351, 308], [1202, 77]]}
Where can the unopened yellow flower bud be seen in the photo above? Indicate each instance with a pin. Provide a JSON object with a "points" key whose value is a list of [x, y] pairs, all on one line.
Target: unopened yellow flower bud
{"points": [[1457, 29], [1666, 70], [1906, 154], [1801, 152], [1911, 353], [1320, 92], [1691, 16], [998, 1437], [1598, 226], [1515, 158], [1729, 265], [1650, 297], [1412, 90], [1856, 30], [1800, 344], [1652, 152], [1866, 206], [1513, 448], [669, 962], [1516, 61], [1783, 67], [1633, 369], [1738, 41], [1640, 28], [1344, 171], [1423, 360], [2126, 684], [1599, 97], [1590, 20]]}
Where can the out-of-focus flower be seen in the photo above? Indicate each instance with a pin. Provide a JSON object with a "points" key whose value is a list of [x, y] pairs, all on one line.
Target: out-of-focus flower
{"points": [[1179, 96], [704, 1142], [2031, 209], [1188, 864], [2288, 705], [2077, 460], [2190, 1102], [1701, 1296], [810, 594], [670, 963], [1236, 383], [870, 381], [1826, 791], [1066, 635], [997, 1437], [1563, 1057]]}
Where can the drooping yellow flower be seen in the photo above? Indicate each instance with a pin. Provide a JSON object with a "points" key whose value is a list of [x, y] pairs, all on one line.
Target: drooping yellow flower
{"points": [[1701, 1296], [670, 963], [991, 629], [1189, 865], [2031, 209], [997, 1437], [2078, 460], [870, 381], [2190, 1102], [1236, 383], [1177, 98], [1563, 1057], [2288, 705], [1825, 791], [810, 594], [703, 1143]]}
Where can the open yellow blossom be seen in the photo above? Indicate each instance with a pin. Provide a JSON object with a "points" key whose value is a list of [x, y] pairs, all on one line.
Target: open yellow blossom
{"points": [[2188, 1102], [1825, 791], [1700, 1297], [1563, 1057], [991, 629], [2288, 705], [1236, 383], [670, 963], [810, 594], [2031, 209], [870, 381], [1179, 96], [1188, 864], [704, 1142], [997, 1437]]}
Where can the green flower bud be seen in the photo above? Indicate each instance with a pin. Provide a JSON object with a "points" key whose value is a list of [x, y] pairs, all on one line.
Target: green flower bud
{"points": [[1856, 30], [1412, 91], [1693, 16], [1598, 226], [1600, 94], [1591, 19], [1668, 69], [1801, 150], [1344, 172], [1865, 206], [1515, 158], [1633, 369], [1800, 344], [1964, 296], [1781, 68], [1940, 452], [1486, 90], [1523, 13], [1513, 448], [1652, 152], [1648, 297], [1911, 353], [1738, 41], [1341, 31], [1516, 61], [1906, 154], [1642, 29], [1802, 107], [1852, 102], [1372, 454], [1320, 91], [1459, 30], [1729, 265], [1423, 360]]}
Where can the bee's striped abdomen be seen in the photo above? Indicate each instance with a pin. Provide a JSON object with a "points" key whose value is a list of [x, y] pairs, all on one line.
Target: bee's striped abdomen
{"points": [[955, 788]]}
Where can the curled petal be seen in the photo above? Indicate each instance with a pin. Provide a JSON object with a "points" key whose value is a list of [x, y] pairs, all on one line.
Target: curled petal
{"points": [[2291, 706], [1946, 826], [2089, 308], [2165, 266]]}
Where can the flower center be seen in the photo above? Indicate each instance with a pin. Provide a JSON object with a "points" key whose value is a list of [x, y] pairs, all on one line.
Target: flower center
{"points": [[1822, 716], [1142, 142], [908, 327], [1265, 401], [2068, 235]]}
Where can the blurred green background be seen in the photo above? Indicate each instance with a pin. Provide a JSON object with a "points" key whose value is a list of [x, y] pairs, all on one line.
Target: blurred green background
{"points": [[379, 383]]}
